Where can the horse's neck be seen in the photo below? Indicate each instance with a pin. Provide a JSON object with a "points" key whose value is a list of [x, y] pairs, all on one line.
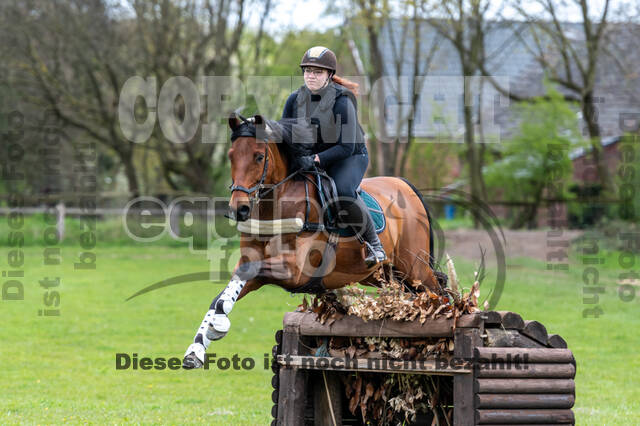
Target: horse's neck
{"points": [[267, 207], [280, 165]]}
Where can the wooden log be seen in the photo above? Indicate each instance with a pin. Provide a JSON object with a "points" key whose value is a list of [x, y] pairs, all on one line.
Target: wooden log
{"points": [[556, 341], [491, 318], [275, 351], [525, 386], [274, 396], [524, 416], [376, 365], [291, 398], [533, 400], [534, 371], [274, 411], [291, 322], [275, 381], [291, 342], [536, 355], [279, 337], [511, 320], [497, 337], [465, 341], [327, 408], [352, 326], [536, 331]]}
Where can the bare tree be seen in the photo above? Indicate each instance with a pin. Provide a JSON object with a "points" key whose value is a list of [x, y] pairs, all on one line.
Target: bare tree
{"points": [[78, 55], [390, 151], [410, 32], [572, 61], [190, 39], [68, 50], [372, 16], [464, 24]]}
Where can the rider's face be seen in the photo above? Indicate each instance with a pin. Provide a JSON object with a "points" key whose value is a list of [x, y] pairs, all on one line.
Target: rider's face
{"points": [[315, 78]]}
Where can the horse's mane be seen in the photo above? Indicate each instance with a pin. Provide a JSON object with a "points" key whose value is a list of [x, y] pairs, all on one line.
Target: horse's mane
{"points": [[293, 137]]}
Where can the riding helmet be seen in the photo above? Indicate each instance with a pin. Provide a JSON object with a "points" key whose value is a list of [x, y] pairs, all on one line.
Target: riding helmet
{"points": [[321, 57]]}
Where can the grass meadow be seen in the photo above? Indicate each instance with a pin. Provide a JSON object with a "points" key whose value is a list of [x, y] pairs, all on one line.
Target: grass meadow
{"points": [[63, 370]]}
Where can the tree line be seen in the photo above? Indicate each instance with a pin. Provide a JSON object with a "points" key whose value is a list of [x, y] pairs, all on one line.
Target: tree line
{"points": [[72, 58]]}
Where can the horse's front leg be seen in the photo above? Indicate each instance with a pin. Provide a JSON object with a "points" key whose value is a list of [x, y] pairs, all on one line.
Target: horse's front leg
{"points": [[216, 324]]}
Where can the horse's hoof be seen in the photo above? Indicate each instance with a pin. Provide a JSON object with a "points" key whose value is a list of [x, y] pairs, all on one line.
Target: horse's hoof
{"points": [[218, 327], [213, 334], [194, 356], [191, 361]]}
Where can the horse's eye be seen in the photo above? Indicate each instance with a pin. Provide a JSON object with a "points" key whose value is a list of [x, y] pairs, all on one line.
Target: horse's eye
{"points": [[259, 158]]}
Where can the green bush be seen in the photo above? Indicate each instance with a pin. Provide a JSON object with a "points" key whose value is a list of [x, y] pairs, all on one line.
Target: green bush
{"points": [[535, 162]]}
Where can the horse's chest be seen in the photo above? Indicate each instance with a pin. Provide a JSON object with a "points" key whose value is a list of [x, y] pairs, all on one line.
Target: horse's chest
{"points": [[279, 245]]}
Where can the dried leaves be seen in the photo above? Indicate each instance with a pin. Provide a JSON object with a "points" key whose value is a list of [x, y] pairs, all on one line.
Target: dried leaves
{"points": [[382, 398], [398, 398], [393, 302], [407, 349], [326, 307]]}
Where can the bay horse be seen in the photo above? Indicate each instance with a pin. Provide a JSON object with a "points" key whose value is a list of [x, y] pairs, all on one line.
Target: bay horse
{"points": [[262, 160]]}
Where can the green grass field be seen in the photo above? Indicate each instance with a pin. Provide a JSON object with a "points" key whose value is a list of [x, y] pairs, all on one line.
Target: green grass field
{"points": [[62, 369]]}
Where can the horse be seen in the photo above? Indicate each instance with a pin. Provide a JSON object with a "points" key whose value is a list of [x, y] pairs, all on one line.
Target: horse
{"points": [[291, 259]]}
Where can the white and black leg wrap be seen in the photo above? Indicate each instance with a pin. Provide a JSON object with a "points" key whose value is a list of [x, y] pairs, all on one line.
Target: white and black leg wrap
{"points": [[215, 323], [201, 341], [223, 306]]}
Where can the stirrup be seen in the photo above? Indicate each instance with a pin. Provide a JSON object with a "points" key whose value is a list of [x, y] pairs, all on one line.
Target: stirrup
{"points": [[374, 254]]}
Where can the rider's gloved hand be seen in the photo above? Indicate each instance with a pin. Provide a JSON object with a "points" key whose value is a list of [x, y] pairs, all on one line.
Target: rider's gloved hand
{"points": [[307, 162]]}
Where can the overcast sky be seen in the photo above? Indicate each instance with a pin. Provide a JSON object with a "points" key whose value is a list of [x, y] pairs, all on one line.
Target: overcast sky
{"points": [[300, 14]]}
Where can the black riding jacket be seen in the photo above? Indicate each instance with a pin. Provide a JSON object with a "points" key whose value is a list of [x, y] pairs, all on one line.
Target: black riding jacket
{"points": [[333, 111]]}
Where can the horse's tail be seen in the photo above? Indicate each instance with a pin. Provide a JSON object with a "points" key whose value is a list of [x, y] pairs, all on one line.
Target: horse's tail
{"points": [[426, 209]]}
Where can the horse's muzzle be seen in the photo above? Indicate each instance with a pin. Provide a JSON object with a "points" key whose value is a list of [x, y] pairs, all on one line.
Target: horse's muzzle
{"points": [[242, 213]]}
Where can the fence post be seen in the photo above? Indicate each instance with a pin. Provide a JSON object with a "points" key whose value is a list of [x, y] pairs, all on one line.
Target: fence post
{"points": [[465, 341]]}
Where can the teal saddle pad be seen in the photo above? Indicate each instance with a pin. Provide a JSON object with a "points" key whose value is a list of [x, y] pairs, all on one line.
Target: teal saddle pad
{"points": [[374, 209]]}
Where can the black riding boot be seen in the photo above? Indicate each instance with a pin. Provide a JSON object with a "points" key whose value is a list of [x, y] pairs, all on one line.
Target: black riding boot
{"points": [[362, 222]]}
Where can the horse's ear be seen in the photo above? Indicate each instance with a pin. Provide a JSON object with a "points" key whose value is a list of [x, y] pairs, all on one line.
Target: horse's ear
{"points": [[263, 130], [234, 121], [259, 120]]}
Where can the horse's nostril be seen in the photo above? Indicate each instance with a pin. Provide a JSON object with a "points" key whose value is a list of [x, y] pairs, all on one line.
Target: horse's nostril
{"points": [[243, 212]]}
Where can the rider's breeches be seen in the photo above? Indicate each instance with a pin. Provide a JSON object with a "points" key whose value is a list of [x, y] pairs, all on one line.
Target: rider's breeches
{"points": [[348, 174]]}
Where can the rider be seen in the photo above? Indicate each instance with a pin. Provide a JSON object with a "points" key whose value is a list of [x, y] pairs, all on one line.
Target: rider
{"points": [[328, 101]]}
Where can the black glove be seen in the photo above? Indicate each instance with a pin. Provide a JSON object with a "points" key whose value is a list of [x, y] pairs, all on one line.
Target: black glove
{"points": [[306, 162]]}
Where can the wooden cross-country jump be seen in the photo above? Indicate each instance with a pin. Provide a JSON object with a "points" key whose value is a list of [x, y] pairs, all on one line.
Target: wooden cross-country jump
{"points": [[543, 392]]}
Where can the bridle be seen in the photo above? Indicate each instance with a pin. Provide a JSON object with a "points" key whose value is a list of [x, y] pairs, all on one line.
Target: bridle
{"points": [[260, 189], [257, 187]]}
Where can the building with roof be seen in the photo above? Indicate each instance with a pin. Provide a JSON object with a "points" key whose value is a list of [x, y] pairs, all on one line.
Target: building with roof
{"points": [[511, 62]]}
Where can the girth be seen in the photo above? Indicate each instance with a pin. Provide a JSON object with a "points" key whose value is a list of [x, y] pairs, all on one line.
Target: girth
{"points": [[327, 192]]}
